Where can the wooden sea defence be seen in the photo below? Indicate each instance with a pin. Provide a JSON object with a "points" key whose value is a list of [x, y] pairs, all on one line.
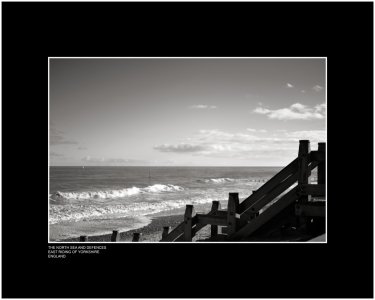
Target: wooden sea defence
{"points": [[286, 207]]}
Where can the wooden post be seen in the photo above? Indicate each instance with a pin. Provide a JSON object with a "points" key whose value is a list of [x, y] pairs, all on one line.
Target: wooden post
{"points": [[322, 165], [165, 232], [115, 236], [136, 237], [83, 238], [303, 167], [233, 203], [214, 208], [188, 221]]}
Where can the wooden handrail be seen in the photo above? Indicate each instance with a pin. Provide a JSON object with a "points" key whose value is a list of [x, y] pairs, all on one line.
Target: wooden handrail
{"points": [[298, 171], [264, 217], [283, 186], [269, 185], [177, 233]]}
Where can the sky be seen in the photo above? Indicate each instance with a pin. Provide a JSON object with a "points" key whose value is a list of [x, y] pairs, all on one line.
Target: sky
{"points": [[184, 112]]}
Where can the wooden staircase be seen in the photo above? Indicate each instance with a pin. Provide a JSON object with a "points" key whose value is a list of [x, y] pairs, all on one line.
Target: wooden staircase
{"points": [[287, 207]]}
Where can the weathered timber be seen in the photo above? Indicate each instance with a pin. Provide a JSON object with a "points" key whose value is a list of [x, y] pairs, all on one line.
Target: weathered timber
{"points": [[233, 204], [175, 233], [311, 209], [322, 165], [223, 230], [178, 236], [317, 156], [214, 209], [211, 220], [267, 215], [83, 238], [165, 233], [136, 236], [253, 210], [189, 214], [269, 196], [315, 190], [115, 237], [303, 167], [269, 185]]}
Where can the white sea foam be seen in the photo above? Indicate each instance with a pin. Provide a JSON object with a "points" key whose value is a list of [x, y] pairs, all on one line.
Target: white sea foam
{"points": [[217, 180], [226, 180], [75, 212], [111, 194]]}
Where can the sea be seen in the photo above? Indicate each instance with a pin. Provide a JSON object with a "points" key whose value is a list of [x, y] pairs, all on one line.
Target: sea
{"points": [[96, 200]]}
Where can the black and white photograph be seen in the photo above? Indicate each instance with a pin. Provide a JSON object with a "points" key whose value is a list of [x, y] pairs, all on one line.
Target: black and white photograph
{"points": [[187, 149]]}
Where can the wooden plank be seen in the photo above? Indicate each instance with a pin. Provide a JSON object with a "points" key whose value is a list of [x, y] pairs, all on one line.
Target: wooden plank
{"points": [[115, 237], [267, 215], [224, 230], [322, 165], [315, 190], [211, 220], [283, 186], [311, 209], [269, 185], [83, 238], [317, 156], [253, 210], [165, 233], [188, 216], [214, 209], [175, 233], [233, 204], [198, 227], [303, 167], [136, 236]]}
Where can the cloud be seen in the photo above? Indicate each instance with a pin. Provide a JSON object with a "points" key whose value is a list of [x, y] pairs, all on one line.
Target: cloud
{"points": [[243, 146], [289, 85], [179, 148], [317, 88], [82, 148], [203, 106], [112, 161], [303, 91], [255, 130], [56, 137], [312, 135], [296, 111]]}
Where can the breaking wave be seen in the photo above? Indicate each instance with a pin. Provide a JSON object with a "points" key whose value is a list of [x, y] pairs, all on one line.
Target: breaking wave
{"points": [[216, 180], [111, 194], [75, 212], [225, 180]]}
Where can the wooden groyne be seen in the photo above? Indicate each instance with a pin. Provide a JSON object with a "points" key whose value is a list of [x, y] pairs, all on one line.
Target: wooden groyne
{"points": [[287, 207]]}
